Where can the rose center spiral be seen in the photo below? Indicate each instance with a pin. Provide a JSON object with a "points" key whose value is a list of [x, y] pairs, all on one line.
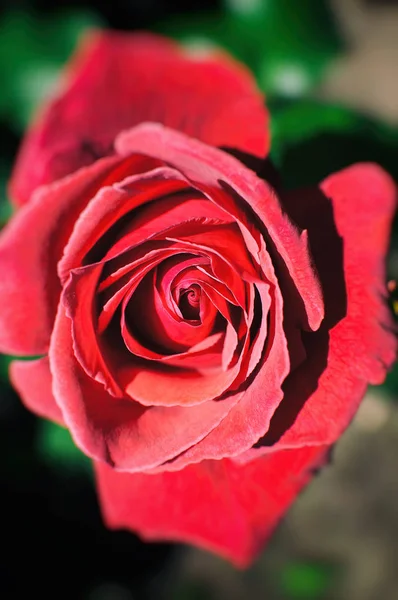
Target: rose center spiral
{"points": [[189, 302]]}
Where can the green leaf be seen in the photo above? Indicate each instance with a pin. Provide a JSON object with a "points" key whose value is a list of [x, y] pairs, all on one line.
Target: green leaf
{"points": [[55, 446], [293, 121], [33, 48], [294, 43], [312, 139], [286, 48], [390, 385], [6, 359], [4, 365], [305, 581], [5, 207]]}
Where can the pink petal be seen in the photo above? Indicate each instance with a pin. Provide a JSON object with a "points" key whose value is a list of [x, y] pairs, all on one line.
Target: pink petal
{"points": [[257, 401], [236, 189], [228, 509], [117, 80], [33, 381], [167, 212], [205, 356], [113, 287], [120, 431], [147, 313], [78, 300], [30, 247], [109, 206], [357, 342]]}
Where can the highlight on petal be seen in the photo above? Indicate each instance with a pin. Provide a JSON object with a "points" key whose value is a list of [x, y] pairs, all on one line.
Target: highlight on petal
{"points": [[223, 507], [138, 77]]}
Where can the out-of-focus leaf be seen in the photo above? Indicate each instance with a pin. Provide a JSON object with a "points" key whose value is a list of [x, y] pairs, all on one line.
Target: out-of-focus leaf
{"points": [[32, 50], [5, 206], [192, 590], [296, 41], [390, 386], [295, 121], [286, 45], [56, 447], [6, 359], [305, 581], [311, 139], [4, 365]]}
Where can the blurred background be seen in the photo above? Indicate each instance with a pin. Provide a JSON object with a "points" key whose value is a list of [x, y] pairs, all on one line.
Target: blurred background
{"points": [[329, 71]]}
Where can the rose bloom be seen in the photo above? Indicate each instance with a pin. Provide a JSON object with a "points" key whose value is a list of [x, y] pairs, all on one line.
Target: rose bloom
{"points": [[203, 334]]}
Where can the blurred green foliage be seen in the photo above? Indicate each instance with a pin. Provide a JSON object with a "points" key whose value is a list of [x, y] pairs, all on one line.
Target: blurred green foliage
{"points": [[32, 50], [311, 139], [286, 48], [305, 581], [5, 206], [4, 365], [55, 446]]}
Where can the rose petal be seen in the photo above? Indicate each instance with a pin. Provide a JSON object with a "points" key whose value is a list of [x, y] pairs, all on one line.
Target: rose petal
{"points": [[138, 77], [120, 431], [205, 356], [148, 316], [30, 247], [165, 213], [153, 386], [33, 381], [113, 288], [228, 509], [356, 344], [257, 402], [78, 300], [109, 206], [227, 182]]}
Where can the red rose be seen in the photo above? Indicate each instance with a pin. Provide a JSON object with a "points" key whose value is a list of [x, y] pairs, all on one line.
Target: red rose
{"points": [[204, 338]]}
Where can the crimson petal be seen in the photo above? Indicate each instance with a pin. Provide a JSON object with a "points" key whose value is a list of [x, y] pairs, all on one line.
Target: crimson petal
{"points": [[33, 381], [30, 247], [228, 509], [357, 343], [120, 431], [138, 77], [221, 177]]}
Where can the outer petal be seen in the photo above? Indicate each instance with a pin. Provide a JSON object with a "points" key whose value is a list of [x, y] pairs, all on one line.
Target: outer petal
{"points": [[228, 509], [33, 381], [357, 342], [30, 247], [120, 431], [364, 199], [118, 80]]}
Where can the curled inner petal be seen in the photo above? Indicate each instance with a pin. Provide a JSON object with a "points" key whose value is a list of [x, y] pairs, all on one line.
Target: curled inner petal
{"points": [[189, 302]]}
